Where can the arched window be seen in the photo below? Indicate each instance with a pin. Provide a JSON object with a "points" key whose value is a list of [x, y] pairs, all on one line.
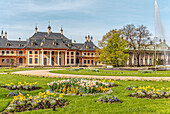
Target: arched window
{"points": [[20, 60]]}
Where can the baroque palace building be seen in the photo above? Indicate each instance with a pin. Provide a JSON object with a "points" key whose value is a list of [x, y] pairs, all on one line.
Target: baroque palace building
{"points": [[47, 49], [147, 56]]}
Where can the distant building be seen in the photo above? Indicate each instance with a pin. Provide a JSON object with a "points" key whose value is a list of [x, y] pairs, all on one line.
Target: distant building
{"points": [[47, 49], [147, 56]]}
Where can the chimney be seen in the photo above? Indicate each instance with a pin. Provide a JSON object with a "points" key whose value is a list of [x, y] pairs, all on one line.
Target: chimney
{"points": [[2, 34], [88, 38], [85, 38], [164, 41], [19, 39], [91, 39], [74, 41], [61, 30], [5, 34], [36, 29], [49, 28]]}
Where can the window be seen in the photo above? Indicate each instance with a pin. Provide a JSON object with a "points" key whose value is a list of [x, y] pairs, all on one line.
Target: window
{"points": [[99, 62], [30, 52], [2, 60], [12, 52], [7, 52], [88, 61], [88, 54], [3, 52], [36, 52], [45, 52], [36, 61], [20, 52], [91, 54], [84, 61], [7, 60], [84, 53], [67, 61], [72, 53], [53, 52], [146, 62], [67, 53], [130, 61], [30, 60], [134, 61], [77, 53], [72, 61], [141, 61], [150, 62], [92, 62]]}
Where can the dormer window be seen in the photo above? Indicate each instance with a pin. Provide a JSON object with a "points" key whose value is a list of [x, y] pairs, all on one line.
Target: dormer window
{"points": [[55, 43], [33, 43], [94, 47], [42, 43], [20, 45], [8, 44], [86, 47]]}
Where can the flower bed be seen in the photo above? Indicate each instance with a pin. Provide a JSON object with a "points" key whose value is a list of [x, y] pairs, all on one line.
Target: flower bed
{"points": [[44, 100], [80, 86], [131, 87], [109, 99], [20, 86], [15, 93], [151, 92]]}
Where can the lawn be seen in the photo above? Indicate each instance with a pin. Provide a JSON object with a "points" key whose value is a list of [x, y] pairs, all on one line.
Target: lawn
{"points": [[114, 73], [8, 69], [87, 104]]}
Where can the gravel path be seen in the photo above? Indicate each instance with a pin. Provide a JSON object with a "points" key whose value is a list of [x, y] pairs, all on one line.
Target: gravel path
{"points": [[46, 73]]}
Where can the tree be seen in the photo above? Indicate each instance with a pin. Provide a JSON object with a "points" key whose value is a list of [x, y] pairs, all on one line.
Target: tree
{"points": [[114, 50], [138, 38]]}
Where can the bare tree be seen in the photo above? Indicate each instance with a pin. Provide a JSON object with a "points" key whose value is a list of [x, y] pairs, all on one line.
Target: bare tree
{"points": [[138, 38]]}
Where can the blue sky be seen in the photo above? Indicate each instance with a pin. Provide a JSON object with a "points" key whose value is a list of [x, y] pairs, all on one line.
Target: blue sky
{"points": [[79, 17]]}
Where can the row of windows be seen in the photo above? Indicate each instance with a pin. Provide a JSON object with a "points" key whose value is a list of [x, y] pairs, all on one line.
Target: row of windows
{"points": [[11, 52], [88, 62], [35, 61], [31, 52], [141, 62], [72, 61], [89, 54]]}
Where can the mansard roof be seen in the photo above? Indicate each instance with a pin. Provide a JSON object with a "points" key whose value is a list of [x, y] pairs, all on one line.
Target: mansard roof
{"points": [[88, 45], [51, 35], [47, 40]]}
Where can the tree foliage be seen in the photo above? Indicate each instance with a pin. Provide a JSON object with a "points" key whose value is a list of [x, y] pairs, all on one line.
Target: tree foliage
{"points": [[114, 51], [138, 38]]}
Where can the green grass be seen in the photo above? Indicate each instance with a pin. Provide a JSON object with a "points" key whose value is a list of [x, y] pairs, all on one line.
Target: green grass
{"points": [[114, 73], [86, 104], [8, 70]]}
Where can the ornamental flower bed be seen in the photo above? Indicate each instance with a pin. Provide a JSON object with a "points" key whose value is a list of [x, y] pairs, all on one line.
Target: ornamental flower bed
{"points": [[22, 86], [109, 99], [131, 87], [15, 93], [44, 100], [80, 86], [151, 92]]}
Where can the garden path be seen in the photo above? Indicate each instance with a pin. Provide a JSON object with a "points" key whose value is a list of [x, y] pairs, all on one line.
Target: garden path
{"points": [[46, 73]]}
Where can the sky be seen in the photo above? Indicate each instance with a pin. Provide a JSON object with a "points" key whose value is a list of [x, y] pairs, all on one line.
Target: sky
{"points": [[79, 17]]}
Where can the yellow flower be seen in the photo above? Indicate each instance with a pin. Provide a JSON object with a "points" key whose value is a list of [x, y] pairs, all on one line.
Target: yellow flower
{"points": [[61, 95]]}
